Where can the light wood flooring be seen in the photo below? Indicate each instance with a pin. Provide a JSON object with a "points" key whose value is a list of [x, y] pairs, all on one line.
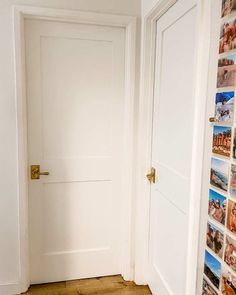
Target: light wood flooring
{"points": [[97, 286]]}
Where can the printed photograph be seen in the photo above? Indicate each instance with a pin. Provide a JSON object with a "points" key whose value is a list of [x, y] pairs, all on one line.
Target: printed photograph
{"points": [[217, 206], [228, 283], [234, 144], [224, 109], [219, 173], [233, 181], [227, 36], [221, 144], [207, 289], [231, 216], [215, 239], [226, 75], [228, 7], [212, 269], [230, 252]]}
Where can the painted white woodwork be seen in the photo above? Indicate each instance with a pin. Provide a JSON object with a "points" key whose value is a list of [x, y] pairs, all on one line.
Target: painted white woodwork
{"points": [[75, 98], [172, 147]]}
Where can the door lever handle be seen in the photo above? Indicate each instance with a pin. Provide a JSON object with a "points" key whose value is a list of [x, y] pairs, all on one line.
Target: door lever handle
{"points": [[35, 172]]}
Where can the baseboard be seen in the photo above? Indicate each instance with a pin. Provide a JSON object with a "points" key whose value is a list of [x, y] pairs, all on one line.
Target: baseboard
{"points": [[12, 288]]}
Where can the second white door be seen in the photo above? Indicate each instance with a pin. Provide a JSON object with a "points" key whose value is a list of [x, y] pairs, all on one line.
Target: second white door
{"points": [[75, 101]]}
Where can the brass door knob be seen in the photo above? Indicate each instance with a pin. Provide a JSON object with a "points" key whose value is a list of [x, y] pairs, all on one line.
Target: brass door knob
{"points": [[35, 172], [152, 175]]}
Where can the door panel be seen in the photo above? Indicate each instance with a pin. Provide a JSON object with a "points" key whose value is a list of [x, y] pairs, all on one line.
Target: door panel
{"points": [[75, 99], [172, 147]]}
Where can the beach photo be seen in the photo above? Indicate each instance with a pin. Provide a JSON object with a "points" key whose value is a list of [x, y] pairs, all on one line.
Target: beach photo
{"points": [[230, 252], [212, 269], [207, 289], [227, 36], [219, 173], [232, 188], [221, 143], [231, 216], [217, 207], [215, 239], [224, 107], [226, 75], [228, 7], [228, 283]]}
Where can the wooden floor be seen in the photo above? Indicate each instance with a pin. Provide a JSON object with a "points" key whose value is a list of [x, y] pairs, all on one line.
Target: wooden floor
{"points": [[102, 286]]}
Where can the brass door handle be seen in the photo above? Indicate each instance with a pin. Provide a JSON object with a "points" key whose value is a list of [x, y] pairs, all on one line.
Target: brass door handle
{"points": [[152, 175], [35, 172]]}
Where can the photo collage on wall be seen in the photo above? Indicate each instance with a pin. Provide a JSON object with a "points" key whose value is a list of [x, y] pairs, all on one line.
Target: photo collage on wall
{"points": [[219, 276]]}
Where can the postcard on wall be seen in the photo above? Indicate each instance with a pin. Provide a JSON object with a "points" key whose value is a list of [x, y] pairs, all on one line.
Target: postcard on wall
{"points": [[227, 36], [215, 239], [221, 143], [231, 216], [228, 7], [212, 269], [234, 144], [226, 74], [224, 107], [233, 181], [230, 252], [207, 289], [219, 174], [228, 282], [217, 206]]}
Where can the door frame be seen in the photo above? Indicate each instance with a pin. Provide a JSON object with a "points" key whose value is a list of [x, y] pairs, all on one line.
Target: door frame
{"points": [[20, 14], [145, 117]]}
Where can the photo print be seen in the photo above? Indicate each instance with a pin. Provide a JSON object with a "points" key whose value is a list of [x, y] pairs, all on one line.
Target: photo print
{"points": [[224, 107], [221, 143], [228, 7], [230, 252], [228, 283], [233, 181], [231, 216], [219, 174], [226, 75], [215, 239], [212, 269], [217, 206], [234, 144], [227, 36], [207, 289]]}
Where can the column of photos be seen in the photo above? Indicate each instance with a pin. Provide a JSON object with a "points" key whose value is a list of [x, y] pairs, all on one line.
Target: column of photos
{"points": [[219, 276]]}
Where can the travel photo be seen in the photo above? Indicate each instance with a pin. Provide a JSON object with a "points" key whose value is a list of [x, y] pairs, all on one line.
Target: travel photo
{"points": [[221, 143], [224, 107], [227, 36], [231, 216], [207, 289], [230, 252], [217, 207], [228, 7], [219, 174], [226, 75], [212, 269], [228, 282], [215, 239], [233, 181]]}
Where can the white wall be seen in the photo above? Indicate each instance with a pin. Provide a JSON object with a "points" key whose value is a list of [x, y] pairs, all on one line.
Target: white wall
{"points": [[9, 209]]}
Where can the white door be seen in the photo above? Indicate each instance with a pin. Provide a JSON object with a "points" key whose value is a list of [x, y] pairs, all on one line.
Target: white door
{"points": [[172, 148], [75, 101]]}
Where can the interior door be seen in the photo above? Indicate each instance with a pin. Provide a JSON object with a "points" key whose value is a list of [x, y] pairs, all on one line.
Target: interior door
{"points": [[172, 147], [75, 100]]}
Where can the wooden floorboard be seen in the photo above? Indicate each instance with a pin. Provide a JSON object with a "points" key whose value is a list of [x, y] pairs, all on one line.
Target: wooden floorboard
{"points": [[97, 286]]}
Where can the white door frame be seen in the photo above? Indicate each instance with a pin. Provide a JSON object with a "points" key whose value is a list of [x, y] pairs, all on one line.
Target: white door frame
{"points": [[20, 13], [145, 140]]}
